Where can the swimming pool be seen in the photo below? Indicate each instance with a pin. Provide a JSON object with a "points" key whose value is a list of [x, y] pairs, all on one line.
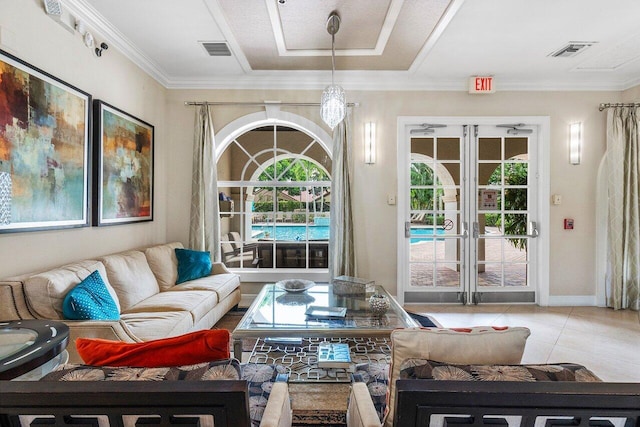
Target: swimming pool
{"points": [[424, 232], [320, 232], [290, 232]]}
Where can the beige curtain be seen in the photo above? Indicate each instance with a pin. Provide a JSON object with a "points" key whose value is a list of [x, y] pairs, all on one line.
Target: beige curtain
{"points": [[342, 258], [204, 232], [623, 167]]}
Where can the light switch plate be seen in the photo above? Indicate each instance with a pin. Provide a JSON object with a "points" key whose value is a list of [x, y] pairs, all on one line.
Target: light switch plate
{"points": [[391, 199]]}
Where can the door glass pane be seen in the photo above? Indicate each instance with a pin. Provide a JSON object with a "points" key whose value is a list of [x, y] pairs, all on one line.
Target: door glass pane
{"points": [[448, 149], [423, 146], [515, 147], [489, 149], [422, 274], [435, 211], [515, 199]]}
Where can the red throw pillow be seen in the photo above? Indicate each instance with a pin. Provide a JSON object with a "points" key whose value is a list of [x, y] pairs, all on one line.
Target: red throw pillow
{"points": [[188, 349]]}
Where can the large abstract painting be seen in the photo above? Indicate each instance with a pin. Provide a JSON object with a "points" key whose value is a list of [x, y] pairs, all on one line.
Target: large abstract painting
{"points": [[123, 167], [44, 149]]}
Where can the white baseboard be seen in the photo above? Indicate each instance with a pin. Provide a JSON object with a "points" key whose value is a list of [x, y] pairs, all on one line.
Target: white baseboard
{"points": [[573, 300], [247, 299]]}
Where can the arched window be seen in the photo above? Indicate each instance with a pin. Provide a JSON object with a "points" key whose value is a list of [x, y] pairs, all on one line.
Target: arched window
{"points": [[275, 198]]}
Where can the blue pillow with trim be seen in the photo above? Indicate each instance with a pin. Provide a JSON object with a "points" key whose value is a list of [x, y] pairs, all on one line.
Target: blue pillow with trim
{"points": [[90, 300], [192, 264]]}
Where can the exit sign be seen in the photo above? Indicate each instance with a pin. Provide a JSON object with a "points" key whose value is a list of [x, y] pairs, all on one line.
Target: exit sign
{"points": [[481, 84]]}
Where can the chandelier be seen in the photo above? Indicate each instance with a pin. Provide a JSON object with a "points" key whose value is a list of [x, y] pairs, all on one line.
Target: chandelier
{"points": [[333, 105]]}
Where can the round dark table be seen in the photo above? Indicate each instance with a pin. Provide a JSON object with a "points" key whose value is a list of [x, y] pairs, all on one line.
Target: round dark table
{"points": [[26, 345]]}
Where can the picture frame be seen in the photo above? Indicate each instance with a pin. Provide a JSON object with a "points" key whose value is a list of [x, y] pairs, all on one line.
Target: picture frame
{"points": [[123, 163], [45, 150]]}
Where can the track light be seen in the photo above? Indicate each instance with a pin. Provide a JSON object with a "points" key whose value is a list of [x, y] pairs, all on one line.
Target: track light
{"points": [[103, 46]]}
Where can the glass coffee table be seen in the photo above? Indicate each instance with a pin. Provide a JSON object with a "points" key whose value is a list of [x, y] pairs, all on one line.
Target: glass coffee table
{"points": [[280, 315]]}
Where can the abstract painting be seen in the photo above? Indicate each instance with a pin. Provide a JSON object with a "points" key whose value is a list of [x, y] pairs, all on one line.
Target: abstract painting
{"points": [[123, 167], [44, 149]]}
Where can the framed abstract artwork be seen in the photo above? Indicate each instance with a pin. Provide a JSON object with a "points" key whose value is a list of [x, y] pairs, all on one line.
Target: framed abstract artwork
{"points": [[44, 149], [123, 167]]}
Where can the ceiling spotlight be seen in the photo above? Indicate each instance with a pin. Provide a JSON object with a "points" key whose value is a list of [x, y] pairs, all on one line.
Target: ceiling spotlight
{"points": [[103, 46], [333, 105]]}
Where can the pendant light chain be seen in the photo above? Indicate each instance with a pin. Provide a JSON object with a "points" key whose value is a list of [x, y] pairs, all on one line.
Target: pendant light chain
{"points": [[333, 57]]}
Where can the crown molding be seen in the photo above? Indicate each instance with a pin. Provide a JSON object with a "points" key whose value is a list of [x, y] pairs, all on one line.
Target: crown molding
{"points": [[83, 11], [375, 81]]}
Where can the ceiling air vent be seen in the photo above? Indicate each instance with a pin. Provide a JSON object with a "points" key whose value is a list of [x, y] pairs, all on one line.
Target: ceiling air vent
{"points": [[571, 49], [216, 48]]}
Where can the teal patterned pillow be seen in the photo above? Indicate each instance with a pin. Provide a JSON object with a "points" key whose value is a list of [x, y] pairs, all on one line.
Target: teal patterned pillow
{"points": [[90, 300], [192, 264]]}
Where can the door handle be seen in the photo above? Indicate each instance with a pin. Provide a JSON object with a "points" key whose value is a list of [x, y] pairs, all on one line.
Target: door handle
{"points": [[465, 230], [532, 229], [407, 229]]}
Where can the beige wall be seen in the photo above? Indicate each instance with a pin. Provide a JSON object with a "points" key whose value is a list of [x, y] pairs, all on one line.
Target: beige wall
{"points": [[572, 257], [43, 43], [631, 95]]}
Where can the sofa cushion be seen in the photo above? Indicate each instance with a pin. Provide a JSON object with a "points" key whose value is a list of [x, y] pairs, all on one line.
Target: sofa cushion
{"points": [[192, 264], [131, 277], [187, 349], [154, 325], [90, 300], [228, 369], [164, 264], [432, 370], [375, 375], [480, 344], [198, 303], [222, 284], [46, 291]]}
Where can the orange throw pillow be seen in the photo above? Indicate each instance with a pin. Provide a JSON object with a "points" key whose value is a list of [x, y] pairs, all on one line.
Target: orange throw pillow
{"points": [[188, 349]]}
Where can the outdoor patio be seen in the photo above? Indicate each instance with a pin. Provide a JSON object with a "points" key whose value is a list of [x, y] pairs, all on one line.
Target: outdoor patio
{"points": [[512, 271]]}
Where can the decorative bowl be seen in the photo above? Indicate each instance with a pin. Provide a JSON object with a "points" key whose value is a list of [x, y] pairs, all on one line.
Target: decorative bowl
{"points": [[295, 285]]}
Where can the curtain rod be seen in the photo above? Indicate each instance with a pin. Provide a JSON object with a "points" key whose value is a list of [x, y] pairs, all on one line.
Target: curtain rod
{"points": [[259, 104], [605, 106]]}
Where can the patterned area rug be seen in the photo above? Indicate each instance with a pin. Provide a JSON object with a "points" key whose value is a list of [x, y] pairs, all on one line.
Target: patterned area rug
{"points": [[301, 360]]}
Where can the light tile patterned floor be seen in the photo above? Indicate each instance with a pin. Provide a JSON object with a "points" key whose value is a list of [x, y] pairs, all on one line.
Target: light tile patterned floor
{"points": [[604, 340]]}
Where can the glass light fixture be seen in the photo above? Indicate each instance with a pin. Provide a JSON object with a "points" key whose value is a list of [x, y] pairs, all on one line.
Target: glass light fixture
{"points": [[370, 143], [575, 143], [333, 105]]}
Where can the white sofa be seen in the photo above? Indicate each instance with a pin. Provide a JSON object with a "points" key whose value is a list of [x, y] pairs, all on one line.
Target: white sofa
{"points": [[142, 282]]}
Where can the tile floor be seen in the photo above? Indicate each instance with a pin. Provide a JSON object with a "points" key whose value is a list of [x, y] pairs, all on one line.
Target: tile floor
{"points": [[604, 340]]}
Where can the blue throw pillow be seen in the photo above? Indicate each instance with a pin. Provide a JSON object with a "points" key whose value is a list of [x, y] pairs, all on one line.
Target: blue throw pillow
{"points": [[192, 264], [90, 300]]}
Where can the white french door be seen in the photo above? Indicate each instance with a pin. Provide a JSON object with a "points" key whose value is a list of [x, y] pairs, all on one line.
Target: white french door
{"points": [[468, 204]]}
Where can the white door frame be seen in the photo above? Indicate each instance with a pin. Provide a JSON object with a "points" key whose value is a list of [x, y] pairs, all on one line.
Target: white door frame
{"points": [[543, 193]]}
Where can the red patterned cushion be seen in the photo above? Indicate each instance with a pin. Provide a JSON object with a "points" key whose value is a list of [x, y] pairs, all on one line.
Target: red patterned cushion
{"points": [[187, 349]]}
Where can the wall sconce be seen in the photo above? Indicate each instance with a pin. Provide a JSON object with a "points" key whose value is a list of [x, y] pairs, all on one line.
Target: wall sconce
{"points": [[370, 143], [575, 143], [5, 198]]}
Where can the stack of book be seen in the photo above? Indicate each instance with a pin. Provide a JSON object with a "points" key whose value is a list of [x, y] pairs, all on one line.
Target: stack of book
{"points": [[334, 355]]}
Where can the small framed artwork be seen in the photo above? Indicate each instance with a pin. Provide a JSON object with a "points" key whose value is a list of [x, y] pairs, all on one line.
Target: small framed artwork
{"points": [[123, 167], [44, 149]]}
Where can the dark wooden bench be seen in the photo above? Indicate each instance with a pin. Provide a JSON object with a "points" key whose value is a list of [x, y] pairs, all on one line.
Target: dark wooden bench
{"points": [[163, 403], [516, 404]]}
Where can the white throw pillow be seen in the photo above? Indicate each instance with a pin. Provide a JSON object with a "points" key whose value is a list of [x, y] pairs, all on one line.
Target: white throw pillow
{"points": [[482, 345]]}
